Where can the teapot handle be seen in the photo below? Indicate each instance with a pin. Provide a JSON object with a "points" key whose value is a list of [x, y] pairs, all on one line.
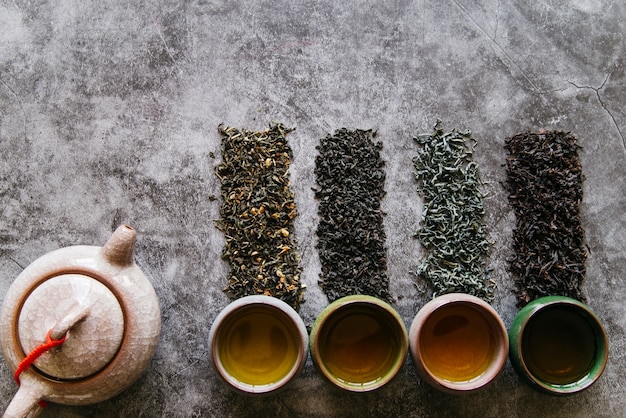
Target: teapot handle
{"points": [[25, 403]]}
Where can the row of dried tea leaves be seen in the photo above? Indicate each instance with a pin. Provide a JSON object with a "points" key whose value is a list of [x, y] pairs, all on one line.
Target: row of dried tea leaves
{"points": [[451, 228], [257, 214], [351, 238], [544, 181]]}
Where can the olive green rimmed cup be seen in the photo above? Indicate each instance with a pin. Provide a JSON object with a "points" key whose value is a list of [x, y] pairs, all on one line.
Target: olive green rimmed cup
{"points": [[358, 343], [258, 344], [558, 345], [458, 343]]}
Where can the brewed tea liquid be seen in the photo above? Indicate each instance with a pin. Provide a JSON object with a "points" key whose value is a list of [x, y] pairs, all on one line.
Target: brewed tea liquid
{"points": [[558, 345], [257, 348], [359, 347], [456, 343]]}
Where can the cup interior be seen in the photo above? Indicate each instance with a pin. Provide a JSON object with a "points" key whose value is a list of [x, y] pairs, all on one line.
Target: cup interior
{"points": [[563, 347], [359, 345], [459, 343], [258, 347]]}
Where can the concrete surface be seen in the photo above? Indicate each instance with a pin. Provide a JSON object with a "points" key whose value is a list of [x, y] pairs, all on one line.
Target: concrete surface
{"points": [[109, 113]]}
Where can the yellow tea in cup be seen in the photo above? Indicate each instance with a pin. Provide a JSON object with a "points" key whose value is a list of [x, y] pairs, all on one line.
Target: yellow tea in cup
{"points": [[257, 347], [457, 343], [258, 344]]}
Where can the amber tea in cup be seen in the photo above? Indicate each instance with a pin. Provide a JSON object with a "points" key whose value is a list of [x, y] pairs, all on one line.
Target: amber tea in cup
{"points": [[558, 345], [259, 344], [458, 343], [359, 343]]}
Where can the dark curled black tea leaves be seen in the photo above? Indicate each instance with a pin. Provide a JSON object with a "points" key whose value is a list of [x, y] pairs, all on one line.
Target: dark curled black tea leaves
{"points": [[351, 238], [544, 182], [257, 214], [451, 228]]}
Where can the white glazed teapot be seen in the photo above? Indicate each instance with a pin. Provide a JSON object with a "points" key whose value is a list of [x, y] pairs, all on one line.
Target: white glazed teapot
{"points": [[101, 311]]}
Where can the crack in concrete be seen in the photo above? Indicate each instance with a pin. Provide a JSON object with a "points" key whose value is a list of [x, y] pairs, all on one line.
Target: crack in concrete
{"points": [[495, 31], [533, 87], [596, 90], [159, 33], [15, 261]]}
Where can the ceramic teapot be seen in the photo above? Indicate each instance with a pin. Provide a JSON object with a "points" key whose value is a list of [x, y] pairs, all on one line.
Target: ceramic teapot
{"points": [[99, 308]]}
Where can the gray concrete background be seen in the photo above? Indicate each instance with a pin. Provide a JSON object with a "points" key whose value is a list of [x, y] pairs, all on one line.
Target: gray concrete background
{"points": [[109, 110]]}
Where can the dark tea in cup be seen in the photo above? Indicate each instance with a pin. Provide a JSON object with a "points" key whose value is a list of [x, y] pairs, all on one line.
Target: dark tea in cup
{"points": [[558, 345]]}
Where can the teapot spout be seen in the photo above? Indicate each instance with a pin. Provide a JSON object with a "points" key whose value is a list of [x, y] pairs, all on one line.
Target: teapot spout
{"points": [[119, 248]]}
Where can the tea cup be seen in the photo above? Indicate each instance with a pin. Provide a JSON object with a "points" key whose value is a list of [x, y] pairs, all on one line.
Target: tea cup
{"points": [[359, 343], [458, 343], [558, 345], [258, 344]]}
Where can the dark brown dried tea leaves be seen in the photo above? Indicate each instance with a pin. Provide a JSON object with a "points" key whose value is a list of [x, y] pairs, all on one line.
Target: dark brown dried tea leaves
{"points": [[544, 181], [351, 238], [451, 228], [257, 214]]}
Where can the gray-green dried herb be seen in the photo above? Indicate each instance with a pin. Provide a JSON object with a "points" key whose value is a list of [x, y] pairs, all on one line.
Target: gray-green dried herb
{"points": [[451, 228], [544, 181], [257, 214]]}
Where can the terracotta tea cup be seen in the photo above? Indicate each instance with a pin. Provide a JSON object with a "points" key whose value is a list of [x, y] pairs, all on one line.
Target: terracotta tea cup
{"points": [[258, 345], [458, 343], [359, 343], [558, 345], [104, 307]]}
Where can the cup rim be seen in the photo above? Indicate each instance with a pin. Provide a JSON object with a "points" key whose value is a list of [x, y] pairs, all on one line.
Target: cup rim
{"points": [[496, 325], [249, 302], [546, 302], [368, 302]]}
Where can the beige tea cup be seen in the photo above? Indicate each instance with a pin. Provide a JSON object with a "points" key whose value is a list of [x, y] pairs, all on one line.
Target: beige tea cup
{"points": [[258, 344], [458, 343]]}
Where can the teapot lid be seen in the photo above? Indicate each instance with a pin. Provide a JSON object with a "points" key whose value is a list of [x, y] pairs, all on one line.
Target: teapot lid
{"points": [[91, 342]]}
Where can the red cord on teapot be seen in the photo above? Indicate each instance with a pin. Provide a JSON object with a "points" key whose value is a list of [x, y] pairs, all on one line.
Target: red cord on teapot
{"points": [[34, 355]]}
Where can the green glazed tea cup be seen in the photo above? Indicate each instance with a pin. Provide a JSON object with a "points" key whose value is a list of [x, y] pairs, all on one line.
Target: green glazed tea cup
{"points": [[258, 344], [359, 343], [558, 345]]}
